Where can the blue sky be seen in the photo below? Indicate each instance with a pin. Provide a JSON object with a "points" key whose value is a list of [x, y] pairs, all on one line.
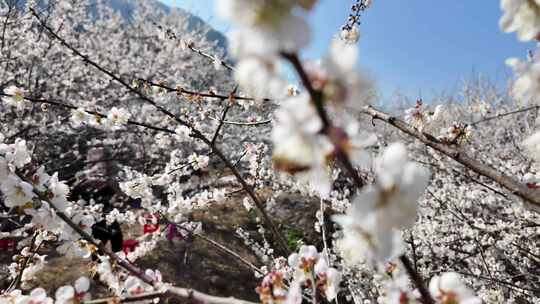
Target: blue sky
{"points": [[419, 47]]}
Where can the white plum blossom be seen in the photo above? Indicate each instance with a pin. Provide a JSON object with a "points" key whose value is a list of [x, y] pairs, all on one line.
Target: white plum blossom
{"points": [[116, 118], [182, 133], [79, 117], [247, 204], [218, 64], [15, 97], [299, 148], [532, 143], [138, 186], [294, 295], [329, 278], [521, 16], [36, 296], [265, 27], [400, 183], [59, 191], [163, 140], [456, 134], [44, 217], [355, 141], [260, 13], [527, 83], [337, 77], [72, 248], [134, 286], [16, 192], [198, 162], [84, 221], [532, 181], [17, 153], [397, 288], [40, 178], [308, 265], [449, 289], [74, 294], [371, 225], [107, 275], [420, 118], [273, 289], [303, 262], [260, 76], [350, 35], [219, 195]]}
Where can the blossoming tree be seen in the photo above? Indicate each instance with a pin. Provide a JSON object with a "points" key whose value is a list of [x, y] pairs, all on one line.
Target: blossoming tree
{"points": [[113, 123]]}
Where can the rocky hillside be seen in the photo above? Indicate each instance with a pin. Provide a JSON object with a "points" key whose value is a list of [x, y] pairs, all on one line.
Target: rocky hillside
{"points": [[126, 7]]}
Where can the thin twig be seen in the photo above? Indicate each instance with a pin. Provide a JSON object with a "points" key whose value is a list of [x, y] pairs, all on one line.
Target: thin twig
{"points": [[224, 115], [15, 283], [191, 46], [221, 248], [247, 124], [144, 296], [504, 114]]}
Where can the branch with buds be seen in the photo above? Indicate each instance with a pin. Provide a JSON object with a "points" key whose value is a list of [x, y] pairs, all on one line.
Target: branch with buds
{"points": [[517, 188]]}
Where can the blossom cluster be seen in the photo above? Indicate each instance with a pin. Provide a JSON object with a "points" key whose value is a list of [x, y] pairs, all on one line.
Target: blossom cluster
{"points": [[523, 17], [446, 288], [422, 119], [307, 268], [64, 295], [372, 224]]}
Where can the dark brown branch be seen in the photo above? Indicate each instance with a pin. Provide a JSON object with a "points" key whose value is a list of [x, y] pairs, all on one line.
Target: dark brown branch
{"points": [[180, 91], [5, 23], [224, 115], [260, 206], [318, 100], [417, 280], [529, 195]]}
